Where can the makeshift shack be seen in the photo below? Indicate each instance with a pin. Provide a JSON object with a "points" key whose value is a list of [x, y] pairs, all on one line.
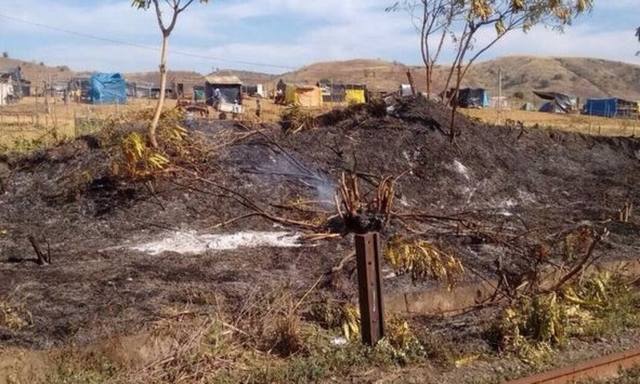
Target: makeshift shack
{"points": [[199, 94], [332, 93], [140, 89], [472, 98], [254, 90], [342, 93], [108, 88], [355, 93], [308, 96], [80, 88], [557, 102], [223, 90], [19, 86], [611, 107]]}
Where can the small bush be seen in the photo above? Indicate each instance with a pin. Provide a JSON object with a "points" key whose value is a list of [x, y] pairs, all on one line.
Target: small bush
{"points": [[295, 119], [532, 326], [423, 260]]}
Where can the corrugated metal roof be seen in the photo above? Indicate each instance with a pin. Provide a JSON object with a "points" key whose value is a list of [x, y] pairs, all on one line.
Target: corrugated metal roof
{"points": [[214, 79]]}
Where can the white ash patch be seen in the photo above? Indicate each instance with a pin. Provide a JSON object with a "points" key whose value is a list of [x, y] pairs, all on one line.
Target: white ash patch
{"points": [[461, 169], [190, 242], [526, 197]]}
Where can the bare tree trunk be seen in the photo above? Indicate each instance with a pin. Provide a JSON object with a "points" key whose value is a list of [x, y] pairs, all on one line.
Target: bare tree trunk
{"points": [[163, 84], [428, 73], [454, 108]]}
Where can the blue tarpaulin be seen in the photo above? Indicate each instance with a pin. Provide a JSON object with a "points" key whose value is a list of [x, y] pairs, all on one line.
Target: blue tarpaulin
{"points": [[108, 88], [601, 107]]}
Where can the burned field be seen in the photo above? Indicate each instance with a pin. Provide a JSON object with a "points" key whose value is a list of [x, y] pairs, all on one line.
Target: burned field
{"points": [[251, 212]]}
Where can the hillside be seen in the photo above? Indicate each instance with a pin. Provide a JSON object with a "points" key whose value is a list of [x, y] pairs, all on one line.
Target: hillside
{"points": [[377, 74], [37, 72], [188, 77], [247, 77], [582, 77]]}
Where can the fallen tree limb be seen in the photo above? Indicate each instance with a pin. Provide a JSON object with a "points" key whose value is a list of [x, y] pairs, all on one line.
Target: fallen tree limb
{"points": [[42, 259]]}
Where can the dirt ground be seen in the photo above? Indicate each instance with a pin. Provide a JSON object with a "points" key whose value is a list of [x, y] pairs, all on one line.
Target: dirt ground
{"points": [[109, 276]]}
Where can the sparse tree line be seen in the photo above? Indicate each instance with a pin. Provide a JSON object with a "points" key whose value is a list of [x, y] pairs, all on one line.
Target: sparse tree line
{"points": [[463, 21]]}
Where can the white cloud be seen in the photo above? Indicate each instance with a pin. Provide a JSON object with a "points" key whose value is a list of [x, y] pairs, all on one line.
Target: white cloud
{"points": [[328, 30]]}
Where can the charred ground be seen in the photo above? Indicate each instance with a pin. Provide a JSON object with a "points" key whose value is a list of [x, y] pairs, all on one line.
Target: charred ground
{"points": [[492, 186]]}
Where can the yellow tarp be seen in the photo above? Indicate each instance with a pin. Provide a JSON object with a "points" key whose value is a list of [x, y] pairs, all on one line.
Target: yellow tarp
{"points": [[290, 95], [355, 96], [308, 97]]}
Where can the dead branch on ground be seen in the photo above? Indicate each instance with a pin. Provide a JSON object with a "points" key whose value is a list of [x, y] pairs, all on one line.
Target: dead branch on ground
{"points": [[42, 258]]}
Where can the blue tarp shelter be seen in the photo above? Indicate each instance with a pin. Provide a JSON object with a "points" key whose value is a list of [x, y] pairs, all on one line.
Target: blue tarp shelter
{"points": [[108, 88], [611, 107]]}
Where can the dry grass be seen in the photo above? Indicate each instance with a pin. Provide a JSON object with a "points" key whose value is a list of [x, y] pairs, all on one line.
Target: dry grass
{"points": [[28, 124], [592, 125]]}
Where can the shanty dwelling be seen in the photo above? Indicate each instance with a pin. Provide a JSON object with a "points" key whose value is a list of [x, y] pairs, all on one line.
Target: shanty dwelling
{"points": [[224, 93], [254, 90], [108, 88], [183, 84], [473, 98], [331, 92], [199, 93], [155, 92], [612, 107], [19, 87], [80, 88], [307, 96], [500, 102], [557, 102], [139, 89], [527, 106], [223, 89], [355, 93]]}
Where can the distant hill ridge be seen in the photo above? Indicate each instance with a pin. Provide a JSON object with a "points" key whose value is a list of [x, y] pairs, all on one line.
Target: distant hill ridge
{"points": [[521, 75]]}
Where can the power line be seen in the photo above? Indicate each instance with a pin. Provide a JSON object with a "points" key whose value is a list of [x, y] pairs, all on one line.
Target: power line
{"points": [[141, 46]]}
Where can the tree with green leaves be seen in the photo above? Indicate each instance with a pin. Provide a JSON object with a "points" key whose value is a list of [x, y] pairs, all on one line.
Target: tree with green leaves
{"points": [[5, 55], [431, 19], [503, 16], [175, 8]]}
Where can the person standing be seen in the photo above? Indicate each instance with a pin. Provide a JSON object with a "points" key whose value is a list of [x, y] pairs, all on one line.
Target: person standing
{"points": [[258, 108]]}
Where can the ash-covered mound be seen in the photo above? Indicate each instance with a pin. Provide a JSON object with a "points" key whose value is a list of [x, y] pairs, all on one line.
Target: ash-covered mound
{"points": [[493, 193]]}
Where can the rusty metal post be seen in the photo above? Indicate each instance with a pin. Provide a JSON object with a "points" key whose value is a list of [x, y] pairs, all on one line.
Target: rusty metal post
{"points": [[370, 287]]}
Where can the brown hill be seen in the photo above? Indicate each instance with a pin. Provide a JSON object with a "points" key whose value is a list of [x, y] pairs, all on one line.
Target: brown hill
{"points": [[187, 77], [377, 74], [247, 77], [37, 73], [582, 77]]}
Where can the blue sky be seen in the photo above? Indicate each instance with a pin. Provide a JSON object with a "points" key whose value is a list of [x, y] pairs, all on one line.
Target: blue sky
{"points": [[281, 33]]}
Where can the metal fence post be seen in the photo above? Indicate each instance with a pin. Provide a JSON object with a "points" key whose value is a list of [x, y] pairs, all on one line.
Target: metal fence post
{"points": [[370, 287]]}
